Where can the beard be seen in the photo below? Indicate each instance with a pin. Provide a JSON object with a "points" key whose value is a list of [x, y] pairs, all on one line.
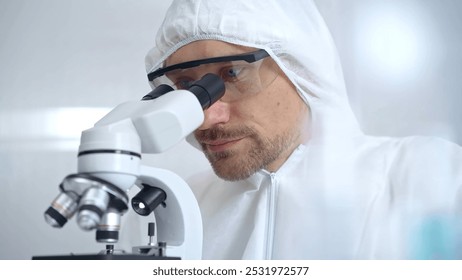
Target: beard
{"points": [[255, 152]]}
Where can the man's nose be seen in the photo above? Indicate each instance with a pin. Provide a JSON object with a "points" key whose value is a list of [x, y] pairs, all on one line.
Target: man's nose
{"points": [[218, 113]]}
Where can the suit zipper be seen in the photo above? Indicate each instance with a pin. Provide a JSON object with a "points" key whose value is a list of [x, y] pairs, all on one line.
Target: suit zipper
{"points": [[272, 199]]}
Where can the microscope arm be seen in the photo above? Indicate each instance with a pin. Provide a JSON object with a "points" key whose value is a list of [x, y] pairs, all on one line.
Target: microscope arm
{"points": [[179, 221]]}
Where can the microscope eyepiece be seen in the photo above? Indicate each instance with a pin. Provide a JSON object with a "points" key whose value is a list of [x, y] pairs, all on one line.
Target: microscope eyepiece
{"points": [[209, 89], [157, 92]]}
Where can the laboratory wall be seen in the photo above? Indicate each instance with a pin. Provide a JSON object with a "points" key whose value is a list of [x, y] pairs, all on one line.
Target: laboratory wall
{"points": [[64, 64]]}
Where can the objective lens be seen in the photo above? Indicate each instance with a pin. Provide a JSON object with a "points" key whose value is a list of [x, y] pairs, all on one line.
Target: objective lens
{"points": [[92, 206], [61, 210], [108, 229]]}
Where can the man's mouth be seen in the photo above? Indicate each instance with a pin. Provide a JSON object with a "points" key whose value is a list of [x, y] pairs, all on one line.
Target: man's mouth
{"points": [[220, 145]]}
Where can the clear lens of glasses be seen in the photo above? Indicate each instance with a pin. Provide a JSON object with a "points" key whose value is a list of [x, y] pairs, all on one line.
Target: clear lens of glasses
{"points": [[241, 78]]}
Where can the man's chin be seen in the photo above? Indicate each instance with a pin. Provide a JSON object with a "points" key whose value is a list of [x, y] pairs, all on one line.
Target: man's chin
{"points": [[231, 176], [229, 168]]}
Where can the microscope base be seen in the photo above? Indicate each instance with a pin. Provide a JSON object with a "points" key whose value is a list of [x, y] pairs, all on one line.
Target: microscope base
{"points": [[104, 257]]}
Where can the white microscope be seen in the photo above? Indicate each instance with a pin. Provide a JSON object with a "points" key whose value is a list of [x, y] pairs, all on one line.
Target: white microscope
{"points": [[109, 166]]}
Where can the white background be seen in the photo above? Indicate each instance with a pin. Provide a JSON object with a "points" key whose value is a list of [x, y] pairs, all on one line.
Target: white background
{"points": [[63, 64]]}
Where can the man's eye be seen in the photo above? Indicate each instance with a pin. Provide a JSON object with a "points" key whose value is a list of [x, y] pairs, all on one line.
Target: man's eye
{"points": [[184, 83], [231, 73]]}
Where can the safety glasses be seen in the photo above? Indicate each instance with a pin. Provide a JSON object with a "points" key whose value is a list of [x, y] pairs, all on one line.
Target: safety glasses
{"points": [[244, 74]]}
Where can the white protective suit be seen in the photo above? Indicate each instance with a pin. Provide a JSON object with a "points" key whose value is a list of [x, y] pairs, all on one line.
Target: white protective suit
{"points": [[342, 195]]}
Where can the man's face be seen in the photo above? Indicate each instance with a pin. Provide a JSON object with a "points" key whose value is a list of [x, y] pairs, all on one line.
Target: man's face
{"points": [[241, 135]]}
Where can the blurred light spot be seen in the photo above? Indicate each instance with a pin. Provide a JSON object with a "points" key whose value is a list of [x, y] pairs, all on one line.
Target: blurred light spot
{"points": [[393, 44], [70, 122], [55, 128], [391, 40]]}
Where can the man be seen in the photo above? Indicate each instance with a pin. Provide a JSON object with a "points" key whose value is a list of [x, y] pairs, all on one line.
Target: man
{"points": [[297, 179]]}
